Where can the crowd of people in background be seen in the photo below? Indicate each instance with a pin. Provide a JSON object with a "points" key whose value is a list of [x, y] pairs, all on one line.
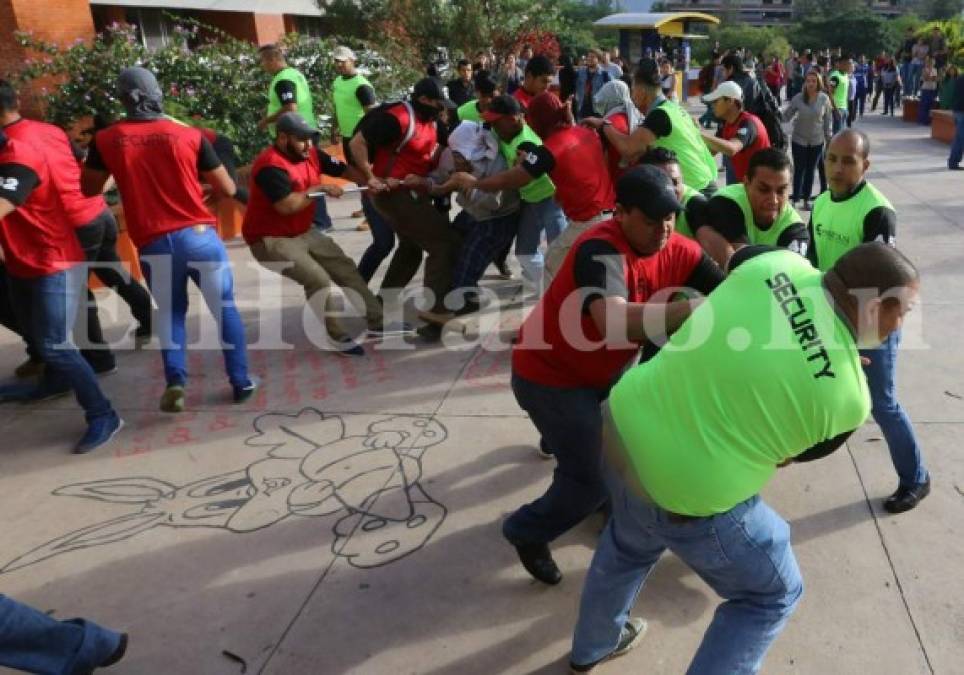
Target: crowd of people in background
{"points": [[610, 190]]}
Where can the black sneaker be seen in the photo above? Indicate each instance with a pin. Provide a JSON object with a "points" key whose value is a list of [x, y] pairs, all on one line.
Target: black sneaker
{"points": [[907, 498], [242, 394], [633, 631], [538, 562], [348, 347]]}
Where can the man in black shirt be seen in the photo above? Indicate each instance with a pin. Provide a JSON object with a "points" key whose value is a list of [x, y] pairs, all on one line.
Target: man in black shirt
{"points": [[462, 89]]}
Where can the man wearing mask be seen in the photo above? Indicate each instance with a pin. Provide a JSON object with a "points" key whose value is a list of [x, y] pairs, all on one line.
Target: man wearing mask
{"points": [[850, 213], [42, 256], [156, 163], [389, 145]]}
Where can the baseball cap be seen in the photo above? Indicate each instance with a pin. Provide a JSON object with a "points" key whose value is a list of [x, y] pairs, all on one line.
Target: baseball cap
{"points": [[430, 88], [343, 54], [648, 189], [729, 89], [294, 124], [502, 106]]}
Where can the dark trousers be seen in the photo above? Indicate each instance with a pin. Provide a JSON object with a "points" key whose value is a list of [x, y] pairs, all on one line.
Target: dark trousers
{"points": [[99, 241], [47, 315], [570, 423], [383, 240], [890, 98], [419, 227], [805, 161], [483, 241]]}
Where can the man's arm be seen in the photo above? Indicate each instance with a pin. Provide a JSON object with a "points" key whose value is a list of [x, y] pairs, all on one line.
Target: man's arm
{"points": [[275, 183], [213, 172], [287, 93], [534, 161], [880, 224], [745, 136], [795, 238], [724, 231], [17, 181], [375, 130], [656, 125]]}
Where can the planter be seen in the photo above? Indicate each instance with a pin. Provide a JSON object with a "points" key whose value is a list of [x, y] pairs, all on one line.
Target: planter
{"points": [[942, 126], [910, 107]]}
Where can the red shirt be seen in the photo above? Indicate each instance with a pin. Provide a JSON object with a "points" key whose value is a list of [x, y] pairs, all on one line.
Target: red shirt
{"points": [[261, 219], [523, 97], [64, 168], [620, 122], [155, 164], [760, 141], [567, 363], [418, 154], [37, 238], [583, 184]]}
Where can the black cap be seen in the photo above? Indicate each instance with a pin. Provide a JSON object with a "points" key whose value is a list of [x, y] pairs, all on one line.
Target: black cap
{"points": [[432, 89], [647, 73], [648, 189], [294, 124], [502, 106]]}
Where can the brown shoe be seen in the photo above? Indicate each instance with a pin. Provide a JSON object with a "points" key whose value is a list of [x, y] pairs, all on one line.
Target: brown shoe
{"points": [[360, 213], [29, 368], [363, 226]]}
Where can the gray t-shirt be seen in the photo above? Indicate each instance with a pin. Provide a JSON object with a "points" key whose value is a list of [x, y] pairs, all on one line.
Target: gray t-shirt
{"points": [[812, 125]]}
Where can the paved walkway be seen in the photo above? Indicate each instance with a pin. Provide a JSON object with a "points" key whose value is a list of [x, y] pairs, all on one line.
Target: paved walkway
{"points": [[347, 520]]}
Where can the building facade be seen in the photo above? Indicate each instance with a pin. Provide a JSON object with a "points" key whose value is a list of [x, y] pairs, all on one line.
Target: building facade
{"points": [[767, 12]]}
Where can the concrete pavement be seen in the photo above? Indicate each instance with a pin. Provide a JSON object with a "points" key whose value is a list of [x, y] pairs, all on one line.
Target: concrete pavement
{"points": [[347, 519]]}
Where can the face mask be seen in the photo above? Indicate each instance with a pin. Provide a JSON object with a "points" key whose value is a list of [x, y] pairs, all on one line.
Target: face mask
{"points": [[426, 112]]}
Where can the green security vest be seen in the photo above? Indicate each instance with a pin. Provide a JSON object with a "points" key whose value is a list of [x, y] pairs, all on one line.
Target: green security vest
{"points": [[302, 96], [542, 187], [840, 93], [469, 112], [788, 216], [682, 226], [763, 370], [348, 110], [695, 161], [839, 226]]}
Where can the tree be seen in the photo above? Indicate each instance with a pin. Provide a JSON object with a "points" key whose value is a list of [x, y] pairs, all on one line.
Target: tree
{"points": [[857, 31]]}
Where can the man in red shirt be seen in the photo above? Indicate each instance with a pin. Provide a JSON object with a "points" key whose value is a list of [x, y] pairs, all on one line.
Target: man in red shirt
{"points": [[573, 158], [42, 256], [93, 222], [389, 144], [536, 79], [601, 307], [741, 135], [285, 185], [156, 162]]}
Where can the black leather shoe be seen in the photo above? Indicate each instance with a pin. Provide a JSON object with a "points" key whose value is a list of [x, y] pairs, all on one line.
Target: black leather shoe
{"points": [[907, 498], [539, 563]]}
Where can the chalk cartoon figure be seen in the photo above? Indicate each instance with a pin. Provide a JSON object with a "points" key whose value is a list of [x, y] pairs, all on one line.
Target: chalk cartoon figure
{"points": [[370, 483]]}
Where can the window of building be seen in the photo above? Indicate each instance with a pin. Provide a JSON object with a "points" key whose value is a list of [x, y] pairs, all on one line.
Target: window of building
{"points": [[312, 26]]}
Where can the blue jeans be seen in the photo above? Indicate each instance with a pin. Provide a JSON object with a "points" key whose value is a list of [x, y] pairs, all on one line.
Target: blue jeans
{"points": [[912, 82], [743, 554], [839, 119], [894, 423], [321, 220], [533, 219], [805, 161], [34, 642], [383, 240], [48, 313], [481, 244], [729, 171], [571, 424], [168, 262], [957, 147]]}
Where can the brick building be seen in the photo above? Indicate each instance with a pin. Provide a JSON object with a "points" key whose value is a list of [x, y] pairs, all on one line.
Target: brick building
{"points": [[63, 21]]}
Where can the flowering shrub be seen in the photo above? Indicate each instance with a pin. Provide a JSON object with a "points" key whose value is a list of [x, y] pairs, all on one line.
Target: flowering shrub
{"points": [[209, 78]]}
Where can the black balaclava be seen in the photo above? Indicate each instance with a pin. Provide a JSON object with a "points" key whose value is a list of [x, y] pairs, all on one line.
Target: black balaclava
{"points": [[427, 113], [141, 95]]}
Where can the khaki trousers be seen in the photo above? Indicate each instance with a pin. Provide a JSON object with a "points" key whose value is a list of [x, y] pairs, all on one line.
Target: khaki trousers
{"points": [[318, 262], [420, 227]]}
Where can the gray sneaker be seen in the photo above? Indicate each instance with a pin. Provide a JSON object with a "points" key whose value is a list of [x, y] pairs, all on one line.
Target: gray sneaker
{"points": [[633, 631]]}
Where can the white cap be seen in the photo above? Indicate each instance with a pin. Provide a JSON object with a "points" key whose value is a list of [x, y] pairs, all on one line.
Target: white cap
{"points": [[729, 89], [343, 54]]}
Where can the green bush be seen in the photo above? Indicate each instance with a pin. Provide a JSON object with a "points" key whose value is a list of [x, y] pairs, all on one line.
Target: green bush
{"points": [[208, 77]]}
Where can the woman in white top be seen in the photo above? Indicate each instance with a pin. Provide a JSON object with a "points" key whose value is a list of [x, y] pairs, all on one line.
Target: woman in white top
{"points": [[812, 114], [667, 81]]}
